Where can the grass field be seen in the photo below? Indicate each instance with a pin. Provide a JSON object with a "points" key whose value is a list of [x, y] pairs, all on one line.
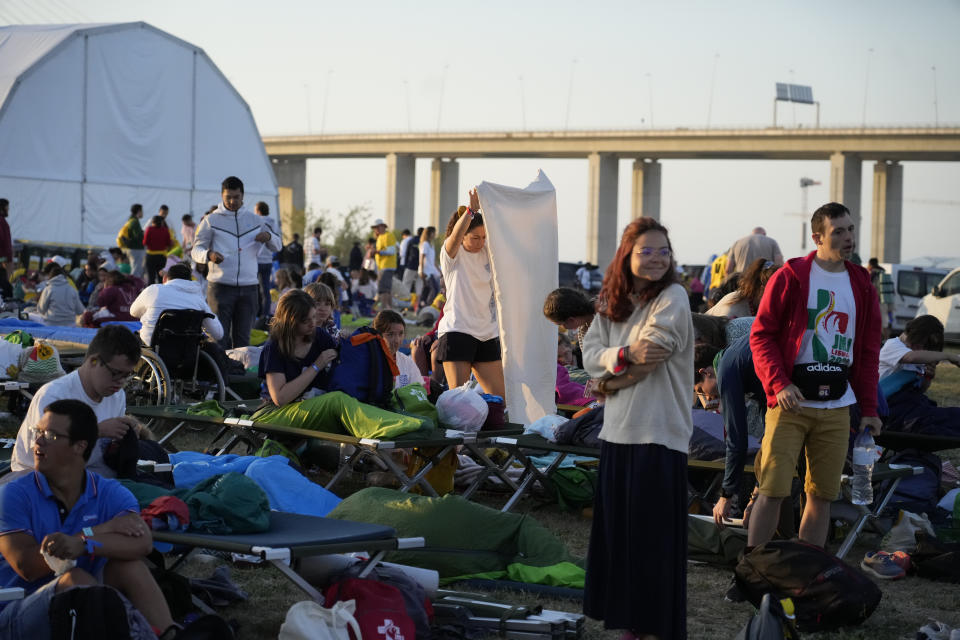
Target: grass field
{"points": [[906, 604]]}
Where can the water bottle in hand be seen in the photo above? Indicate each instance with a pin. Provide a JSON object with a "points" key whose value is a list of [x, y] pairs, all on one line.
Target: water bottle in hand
{"points": [[864, 455]]}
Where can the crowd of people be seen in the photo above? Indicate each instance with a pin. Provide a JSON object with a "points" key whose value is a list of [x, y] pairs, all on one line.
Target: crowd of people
{"points": [[783, 349]]}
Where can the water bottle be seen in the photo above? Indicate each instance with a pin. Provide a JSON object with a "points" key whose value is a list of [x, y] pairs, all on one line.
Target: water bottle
{"points": [[864, 455]]}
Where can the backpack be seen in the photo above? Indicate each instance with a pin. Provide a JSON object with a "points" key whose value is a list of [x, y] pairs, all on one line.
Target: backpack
{"points": [[411, 259], [364, 369], [381, 612], [770, 623], [96, 612], [575, 487], [412, 400], [826, 592]]}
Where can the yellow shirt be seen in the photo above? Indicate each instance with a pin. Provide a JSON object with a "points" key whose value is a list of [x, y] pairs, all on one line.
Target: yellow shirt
{"points": [[718, 271], [384, 241]]}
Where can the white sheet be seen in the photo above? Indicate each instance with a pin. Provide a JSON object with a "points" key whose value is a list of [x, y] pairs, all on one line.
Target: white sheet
{"points": [[522, 240]]}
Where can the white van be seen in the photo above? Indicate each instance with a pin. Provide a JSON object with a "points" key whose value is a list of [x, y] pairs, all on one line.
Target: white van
{"points": [[944, 303], [910, 284]]}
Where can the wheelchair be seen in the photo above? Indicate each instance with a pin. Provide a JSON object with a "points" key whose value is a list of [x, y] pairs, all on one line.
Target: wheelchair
{"points": [[175, 368]]}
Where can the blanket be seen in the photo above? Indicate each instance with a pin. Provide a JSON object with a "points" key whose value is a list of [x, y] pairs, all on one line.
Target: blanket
{"points": [[284, 487], [464, 539], [522, 240]]}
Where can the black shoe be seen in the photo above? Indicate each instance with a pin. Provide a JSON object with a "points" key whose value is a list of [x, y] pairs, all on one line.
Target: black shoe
{"points": [[734, 594]]}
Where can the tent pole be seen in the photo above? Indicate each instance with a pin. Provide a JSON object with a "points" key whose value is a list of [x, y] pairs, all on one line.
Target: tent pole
{"points": [[83, 144], [193, 133]]}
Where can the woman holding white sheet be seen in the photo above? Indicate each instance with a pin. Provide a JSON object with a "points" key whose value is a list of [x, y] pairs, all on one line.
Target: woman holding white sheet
{"points": [[468, 331]]}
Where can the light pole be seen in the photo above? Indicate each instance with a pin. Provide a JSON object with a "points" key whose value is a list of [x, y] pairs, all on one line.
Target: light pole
{"points": [[936, 114]]}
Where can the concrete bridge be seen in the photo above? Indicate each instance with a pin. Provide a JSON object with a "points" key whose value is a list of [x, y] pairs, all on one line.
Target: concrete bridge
{"points": [[845, 149]]}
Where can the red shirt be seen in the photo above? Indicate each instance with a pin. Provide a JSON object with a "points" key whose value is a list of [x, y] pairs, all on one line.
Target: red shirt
{"points": [[782, 320], [156, 239]]}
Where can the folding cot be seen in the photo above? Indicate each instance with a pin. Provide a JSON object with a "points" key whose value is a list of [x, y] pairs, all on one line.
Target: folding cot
{"points": [[900, 440], [293, 537], [239, 430]]}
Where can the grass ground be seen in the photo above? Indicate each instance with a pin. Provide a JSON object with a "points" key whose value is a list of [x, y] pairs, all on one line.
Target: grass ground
{"points": [[906, 604]]}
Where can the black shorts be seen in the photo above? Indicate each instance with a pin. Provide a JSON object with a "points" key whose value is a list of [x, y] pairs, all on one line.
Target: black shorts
{"points": [[462, 347]]}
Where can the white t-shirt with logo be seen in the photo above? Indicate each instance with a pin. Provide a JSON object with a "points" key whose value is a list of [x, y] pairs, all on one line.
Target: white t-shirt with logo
{"points": [[890, 356], [831, 328], [67, 387], [470, 308]]}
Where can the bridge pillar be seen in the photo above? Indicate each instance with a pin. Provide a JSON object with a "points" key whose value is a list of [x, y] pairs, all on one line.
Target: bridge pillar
{"points": [[845, 170], [444, 185], [887, 211], [401, 176], [292, 173], [645, 200], [602, 209]]}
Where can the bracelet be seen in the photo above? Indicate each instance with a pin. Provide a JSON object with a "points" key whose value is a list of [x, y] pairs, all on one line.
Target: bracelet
{"points": [[315, 367]]}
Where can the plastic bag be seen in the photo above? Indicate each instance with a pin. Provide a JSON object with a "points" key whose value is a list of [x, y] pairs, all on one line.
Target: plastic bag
{"points": [[462, 408], [902, 537], [309, 620]]}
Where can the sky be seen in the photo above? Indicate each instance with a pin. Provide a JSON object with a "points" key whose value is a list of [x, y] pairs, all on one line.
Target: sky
{"points": [[427, 65]]}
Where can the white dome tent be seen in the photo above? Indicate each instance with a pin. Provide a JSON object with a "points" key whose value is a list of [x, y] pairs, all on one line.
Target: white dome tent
{"points": [[96, 117]]}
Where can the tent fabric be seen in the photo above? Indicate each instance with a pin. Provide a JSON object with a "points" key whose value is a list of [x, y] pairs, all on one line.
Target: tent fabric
{"points": [[522, 239], [96, 117]]}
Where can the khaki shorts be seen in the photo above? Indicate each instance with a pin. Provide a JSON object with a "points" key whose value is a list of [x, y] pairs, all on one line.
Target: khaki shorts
{"points": [[824, 433]]}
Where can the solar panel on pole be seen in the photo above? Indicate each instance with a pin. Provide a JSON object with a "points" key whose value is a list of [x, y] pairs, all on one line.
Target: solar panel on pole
{"points": [[783, 92]]}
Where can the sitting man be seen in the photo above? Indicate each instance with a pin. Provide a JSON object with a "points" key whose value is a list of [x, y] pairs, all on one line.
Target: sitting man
{"points": [[70, 513], [907, 366], [391, 326], [178, 291], [111, 358]]}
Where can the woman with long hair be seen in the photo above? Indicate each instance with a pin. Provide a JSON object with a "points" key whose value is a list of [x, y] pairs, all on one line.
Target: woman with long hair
{"points": [[637, 573], [468, 331], [284, 281], [745, 300], [297, 351]]}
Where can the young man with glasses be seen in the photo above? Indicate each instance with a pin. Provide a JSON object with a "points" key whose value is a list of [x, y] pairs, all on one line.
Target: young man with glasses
{"points": [[64, 512], [111, 358]]}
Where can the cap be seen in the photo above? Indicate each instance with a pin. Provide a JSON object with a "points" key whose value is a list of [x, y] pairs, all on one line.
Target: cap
{"points": [[378, 222]]}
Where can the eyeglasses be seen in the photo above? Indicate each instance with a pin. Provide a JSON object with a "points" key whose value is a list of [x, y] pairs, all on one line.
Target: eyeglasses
{"points": [[46, 435], [117, 374], [646, 252]]}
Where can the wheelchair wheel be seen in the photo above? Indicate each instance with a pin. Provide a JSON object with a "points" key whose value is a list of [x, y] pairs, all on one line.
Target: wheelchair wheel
{"points": [[150, 382], [208, 384]]}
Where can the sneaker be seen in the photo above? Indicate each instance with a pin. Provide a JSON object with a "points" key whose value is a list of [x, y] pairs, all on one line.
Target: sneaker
{"points": [[734, 594], [902, 559], [881, 565], [934, 631]]}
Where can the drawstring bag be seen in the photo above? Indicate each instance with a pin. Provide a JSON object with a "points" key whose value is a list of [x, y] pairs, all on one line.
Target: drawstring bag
{"points": [[40, 364], [309, 620]]}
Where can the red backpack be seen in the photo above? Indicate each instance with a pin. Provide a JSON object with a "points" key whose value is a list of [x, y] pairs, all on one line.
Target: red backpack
{"points": [[380, 609]]}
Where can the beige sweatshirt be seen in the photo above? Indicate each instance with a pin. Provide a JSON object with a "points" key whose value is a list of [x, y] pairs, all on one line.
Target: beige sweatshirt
{"points": [[656, 410]]}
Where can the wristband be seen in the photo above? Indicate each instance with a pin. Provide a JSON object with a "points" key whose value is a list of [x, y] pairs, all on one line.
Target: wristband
{"points": [[87, 531], [471, 212], [622, 361], [315, 367]]}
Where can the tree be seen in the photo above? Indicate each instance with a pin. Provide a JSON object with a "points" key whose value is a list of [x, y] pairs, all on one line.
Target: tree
{"points": [[354, 226]]}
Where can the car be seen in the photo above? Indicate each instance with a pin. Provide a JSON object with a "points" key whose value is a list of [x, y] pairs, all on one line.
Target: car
{"points": [[910, 283], [944, 304], [568, 276]]}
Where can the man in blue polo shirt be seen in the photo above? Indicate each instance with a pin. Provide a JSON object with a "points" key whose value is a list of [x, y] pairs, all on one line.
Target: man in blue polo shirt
{"points": [[63, 511]]}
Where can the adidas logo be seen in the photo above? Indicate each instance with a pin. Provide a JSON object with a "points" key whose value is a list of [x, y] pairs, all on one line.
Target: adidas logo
{"points": [[822, 367]]}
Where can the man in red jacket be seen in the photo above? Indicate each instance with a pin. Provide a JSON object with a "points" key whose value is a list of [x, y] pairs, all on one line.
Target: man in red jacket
{"points": [[815, 343]]}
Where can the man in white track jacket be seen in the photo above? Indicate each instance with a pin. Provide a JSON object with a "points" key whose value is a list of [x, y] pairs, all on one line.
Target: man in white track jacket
{"points": [[228, 240]]}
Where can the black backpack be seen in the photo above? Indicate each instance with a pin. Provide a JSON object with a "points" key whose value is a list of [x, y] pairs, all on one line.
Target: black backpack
{"points": [[411, 259], [96, 612], [826, 592]]}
